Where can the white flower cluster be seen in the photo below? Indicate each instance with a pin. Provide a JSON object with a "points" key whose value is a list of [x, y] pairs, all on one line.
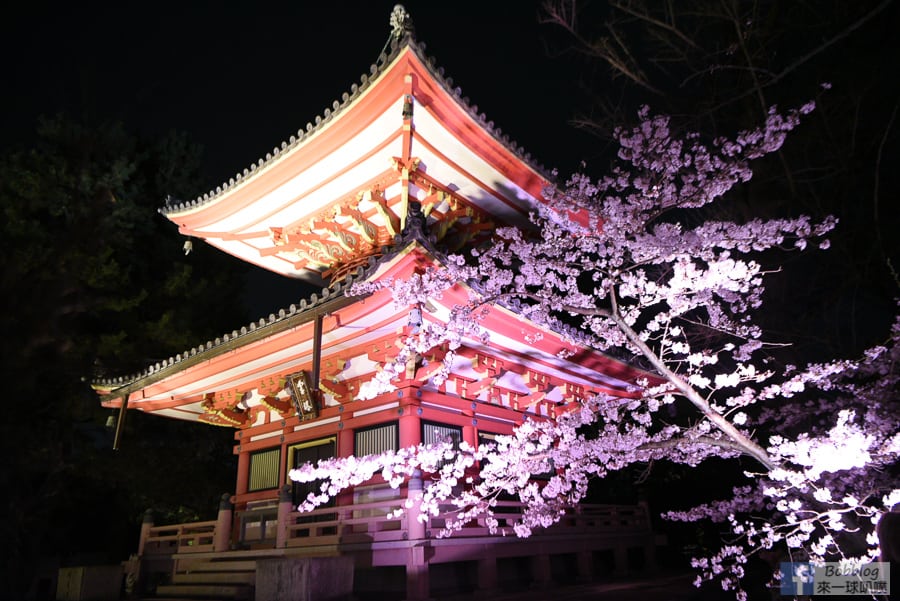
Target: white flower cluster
{"points": [[611, 265]]}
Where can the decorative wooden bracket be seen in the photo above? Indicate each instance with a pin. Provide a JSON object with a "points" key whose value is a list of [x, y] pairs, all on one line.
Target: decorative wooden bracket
{"points": [[284, 407], [339, 390], [537, 381], [473, 389], [234, 417], [406, 165], [573, 392], [426, 372], [221, 410], [367, 230], [485, 365], [383, 350], [530, 400], [270, 386]]}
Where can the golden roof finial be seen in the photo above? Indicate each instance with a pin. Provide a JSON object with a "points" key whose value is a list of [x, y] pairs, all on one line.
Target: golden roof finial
{"points": [[401, 22]]}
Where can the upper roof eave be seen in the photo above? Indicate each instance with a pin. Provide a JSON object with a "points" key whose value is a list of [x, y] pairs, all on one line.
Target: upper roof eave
{"points": [[393, 52]]}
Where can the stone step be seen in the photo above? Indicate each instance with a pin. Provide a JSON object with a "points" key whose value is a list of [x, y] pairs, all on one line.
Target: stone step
{"points": [[203, 577], [202, 565], [177, 599], [205, 591], [201, 598]]}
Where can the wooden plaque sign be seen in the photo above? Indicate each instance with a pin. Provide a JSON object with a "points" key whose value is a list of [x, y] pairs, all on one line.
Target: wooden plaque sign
{"points": [[304, 403]]}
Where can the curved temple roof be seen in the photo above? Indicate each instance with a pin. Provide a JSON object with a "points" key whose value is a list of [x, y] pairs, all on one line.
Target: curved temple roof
{"points": [[329, 197], [245, 369], [402, 162]]}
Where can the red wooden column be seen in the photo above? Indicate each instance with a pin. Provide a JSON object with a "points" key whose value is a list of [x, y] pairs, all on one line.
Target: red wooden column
{"points": [[346, 443], [469, 433], [487, 575], [620, 560], [243, 473], [650, 565], [585, 566], [540, 571], [146, 525], [417, 583], [284, 510], [410, 427], [222, 533]]}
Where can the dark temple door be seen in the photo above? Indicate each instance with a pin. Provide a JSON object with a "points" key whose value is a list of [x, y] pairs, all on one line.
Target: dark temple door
{"points": [[311, 452]]}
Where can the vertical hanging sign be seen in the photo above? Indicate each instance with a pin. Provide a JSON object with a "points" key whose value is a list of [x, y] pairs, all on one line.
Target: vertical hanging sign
{"points": [[304, 404]]}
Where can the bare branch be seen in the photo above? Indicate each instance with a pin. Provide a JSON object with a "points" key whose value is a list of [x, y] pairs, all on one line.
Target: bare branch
{"points": [[876, 219], [564, 14], [812, 53], [643, 16]]}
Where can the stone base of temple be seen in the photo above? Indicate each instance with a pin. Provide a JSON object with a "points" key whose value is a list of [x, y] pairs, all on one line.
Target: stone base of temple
{"points": [[383, 560]]}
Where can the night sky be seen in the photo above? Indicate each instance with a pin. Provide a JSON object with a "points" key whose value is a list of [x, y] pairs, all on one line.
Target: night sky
{"points": [[240, 79]]}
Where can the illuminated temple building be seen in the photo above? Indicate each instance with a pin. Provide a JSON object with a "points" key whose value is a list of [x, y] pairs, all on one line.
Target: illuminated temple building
{"points": [[385, 183]]}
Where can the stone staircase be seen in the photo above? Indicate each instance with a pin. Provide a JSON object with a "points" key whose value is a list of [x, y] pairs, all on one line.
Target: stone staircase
{"points": [[221, 578], [229, 576]]}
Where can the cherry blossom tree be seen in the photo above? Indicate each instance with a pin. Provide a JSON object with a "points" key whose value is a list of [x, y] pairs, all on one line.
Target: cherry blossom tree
{"points": [[635, 262]]}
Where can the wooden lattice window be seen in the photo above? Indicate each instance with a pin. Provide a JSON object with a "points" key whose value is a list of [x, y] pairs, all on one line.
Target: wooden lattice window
{"points": [[377, 439], [264, 467], [434, 433]]}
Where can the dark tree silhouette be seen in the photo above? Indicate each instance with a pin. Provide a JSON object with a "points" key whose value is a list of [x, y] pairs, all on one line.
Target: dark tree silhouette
{"points": [[92, 281]]}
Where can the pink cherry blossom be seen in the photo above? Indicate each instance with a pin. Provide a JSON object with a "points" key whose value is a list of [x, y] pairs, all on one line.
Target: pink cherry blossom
{"points": [[680, 294]]}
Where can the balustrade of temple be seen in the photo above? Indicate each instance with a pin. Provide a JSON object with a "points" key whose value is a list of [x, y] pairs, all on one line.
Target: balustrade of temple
{"points": [[385, 533]]}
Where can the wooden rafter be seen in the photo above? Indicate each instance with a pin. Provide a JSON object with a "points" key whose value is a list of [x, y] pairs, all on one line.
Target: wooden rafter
{"points": [[367, 230]]}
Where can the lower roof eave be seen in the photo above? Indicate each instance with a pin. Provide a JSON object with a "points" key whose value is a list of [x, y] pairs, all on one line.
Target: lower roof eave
{"points": [[114, 397]]}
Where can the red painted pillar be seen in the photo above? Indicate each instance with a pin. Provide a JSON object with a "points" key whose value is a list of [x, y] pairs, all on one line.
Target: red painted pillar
{"points": [[585, 565], [346, 442], [222, 534], [146, 525], [620, 560], [410, 427], [415, 527], [487, 575], [540, 570], [243, 473], [644, 522], [470, 437], [417, 587], [417, 584], [284, 510], [469, 433], [346, 445]]}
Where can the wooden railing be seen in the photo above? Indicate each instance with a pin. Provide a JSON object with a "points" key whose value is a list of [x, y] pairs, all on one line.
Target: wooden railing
{"points": [[359, 523], [373, 523], [608, 517], [195, 537], [632, 518]]}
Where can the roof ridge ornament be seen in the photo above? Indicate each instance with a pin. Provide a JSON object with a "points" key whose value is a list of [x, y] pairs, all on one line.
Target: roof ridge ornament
{"points": [[401, 23], [415, 226]]}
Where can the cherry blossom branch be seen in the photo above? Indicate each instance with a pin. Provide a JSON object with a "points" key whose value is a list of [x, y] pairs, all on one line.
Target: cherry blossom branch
{"points": [[632, 281], [723, 443], [746, 445]]}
